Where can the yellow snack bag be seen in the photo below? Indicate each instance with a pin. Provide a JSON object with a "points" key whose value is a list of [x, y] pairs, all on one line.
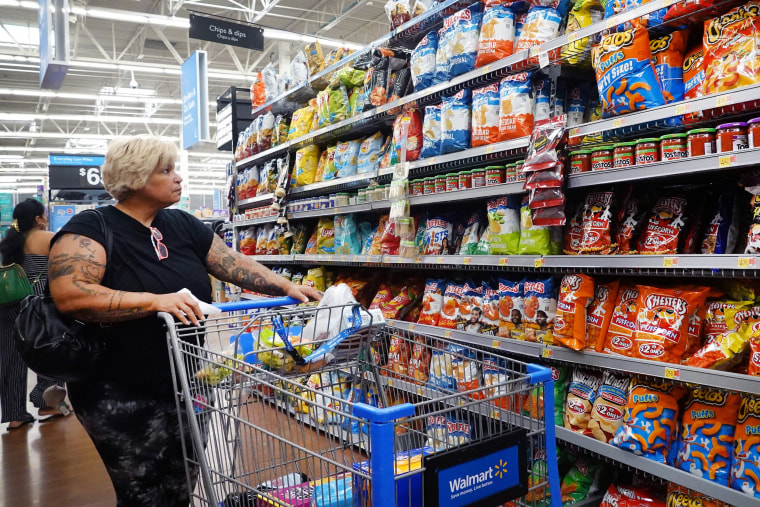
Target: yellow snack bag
{"points": [[306, 163]]}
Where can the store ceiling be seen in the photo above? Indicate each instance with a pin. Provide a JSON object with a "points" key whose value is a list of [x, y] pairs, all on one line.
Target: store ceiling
{"points": [[105, 53]]}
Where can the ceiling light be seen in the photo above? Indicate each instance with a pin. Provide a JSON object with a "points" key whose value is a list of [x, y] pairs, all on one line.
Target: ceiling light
{"points": [[11, 157], [74, 117], [87, 96], [63, 135]]}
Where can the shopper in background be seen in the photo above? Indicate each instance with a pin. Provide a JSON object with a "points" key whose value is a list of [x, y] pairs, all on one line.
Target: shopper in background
{"points": [[128, 405], [26, 243]]}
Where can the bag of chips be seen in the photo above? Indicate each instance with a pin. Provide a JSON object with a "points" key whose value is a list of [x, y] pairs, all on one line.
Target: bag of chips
{"points": [[471, 307], [745, 466], [515, 107], [580, 400], [504, 225], [579, 481], [651, 413], [629, 83], [398, 358], [534, 239], [584, 13], [730, 52], [705, 443], [668, 55], [490, 309], [679, 496], [597, 224], [619, 339], [431, 132], [462, 31], [511, 309], [347, 158], [306, 163], [325, 236], [441, 374], [407, 136], [450, 310], [497, 35], [423, 61], [495, 377], [631, 219], [694, 79], [442, 58], [666, 222], [722, 228], [540, 26], [300, 124], [432, 302], [455, 122], [437, 235], [607, 414], [369, 153], [540, 308], [575, 294], [419, 362], [485, 115], [599, 314]]}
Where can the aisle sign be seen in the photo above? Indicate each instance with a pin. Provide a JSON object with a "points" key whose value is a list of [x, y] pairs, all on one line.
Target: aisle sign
{"points": [[75, 171], [53, 17], [194, 88], [225, 32]]}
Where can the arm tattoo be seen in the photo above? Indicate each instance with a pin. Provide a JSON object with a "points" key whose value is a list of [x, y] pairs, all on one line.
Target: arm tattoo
{"points": [[230, 266]]}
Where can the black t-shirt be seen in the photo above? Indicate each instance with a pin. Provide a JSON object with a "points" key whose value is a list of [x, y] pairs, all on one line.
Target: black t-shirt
{"points": [[137, 351]]}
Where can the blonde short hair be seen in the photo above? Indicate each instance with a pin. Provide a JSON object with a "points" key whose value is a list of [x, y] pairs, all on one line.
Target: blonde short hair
{"points": [[130, 162]]}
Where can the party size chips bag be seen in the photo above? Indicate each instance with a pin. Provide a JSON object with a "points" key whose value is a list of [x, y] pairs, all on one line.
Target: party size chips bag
{"points": [[515, 107], [540, 308], [619, 339], [609, 405], [462, 31], [668, 54]]}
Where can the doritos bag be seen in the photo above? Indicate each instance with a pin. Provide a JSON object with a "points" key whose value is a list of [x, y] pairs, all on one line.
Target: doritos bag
{"points": [[667, 56], [575, 293], [485, 115], [745, 467], [629, 83], [497, 35], [619, 339], [599, 314]]}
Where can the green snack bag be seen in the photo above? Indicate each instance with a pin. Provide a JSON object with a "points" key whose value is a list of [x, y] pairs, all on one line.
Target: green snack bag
{"points": [[559, 375], [336, 104], [484, 243], [534, 239], [576, 485], [504, 225]]}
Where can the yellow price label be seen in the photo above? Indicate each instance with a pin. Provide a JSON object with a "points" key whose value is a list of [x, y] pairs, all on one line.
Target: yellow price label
{"points": [[495, 344], [681, 109], [418, 260], [672, 373], [669, 262], [547, 353], [439, 260], [609, 23], [466, 260], [431, 160], [746, 262], [722, 100], [485, 70], [447, 334], [503, 261], [572, 37], [390, 382], [534, 51], [489, 149], [726, 161], [617, 123], [537, 263], [411, 327], [356, 258], [419, 391], [496, 414], [575, 132], [342, 258]]}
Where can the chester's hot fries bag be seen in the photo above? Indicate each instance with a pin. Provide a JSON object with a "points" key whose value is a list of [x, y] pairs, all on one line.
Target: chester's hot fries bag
{"points": [[745, 468], [732, 57], [607, 414], [624, 73], [575, 293], [650, 418], [704, 447], [619, 339], [580, 400], [599, 314]]}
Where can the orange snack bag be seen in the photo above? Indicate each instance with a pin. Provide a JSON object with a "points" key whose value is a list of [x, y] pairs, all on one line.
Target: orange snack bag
{"points": [[432, 301], [377, 240], [745, 467], [515, 107], [678, 496], [450, 309], [731, 54], [497, 35], [619, 339], [599, 314], [398, 358], [419, 363], [575, 292], [383, 296], [662, 322], [511, 309], [707, 435]]}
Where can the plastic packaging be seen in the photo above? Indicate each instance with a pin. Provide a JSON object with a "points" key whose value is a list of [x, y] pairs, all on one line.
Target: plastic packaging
{"points": [[455, 122]]}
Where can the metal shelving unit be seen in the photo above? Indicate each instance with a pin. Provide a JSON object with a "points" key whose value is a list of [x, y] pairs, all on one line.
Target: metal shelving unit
{"points": [[256, 202], [255, 221]]}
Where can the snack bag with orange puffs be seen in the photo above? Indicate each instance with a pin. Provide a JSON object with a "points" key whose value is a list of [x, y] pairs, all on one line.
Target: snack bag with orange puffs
{"points": [[511, 309], [540, 308]]}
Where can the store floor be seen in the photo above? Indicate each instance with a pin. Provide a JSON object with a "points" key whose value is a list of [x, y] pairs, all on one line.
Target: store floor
{"points": [[52, 464]]}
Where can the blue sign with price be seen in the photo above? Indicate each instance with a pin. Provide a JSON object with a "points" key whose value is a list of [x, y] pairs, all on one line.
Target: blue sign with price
{"points": [[194, 88]]}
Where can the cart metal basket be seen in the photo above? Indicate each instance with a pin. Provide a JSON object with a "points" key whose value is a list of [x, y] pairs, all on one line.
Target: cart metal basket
{"points": [[389, 418]]}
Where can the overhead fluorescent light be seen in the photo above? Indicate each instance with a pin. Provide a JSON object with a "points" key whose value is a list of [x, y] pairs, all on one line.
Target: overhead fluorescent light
{"points": [[88, 96], [130, 92], [63, 135], [100, 118], [11, 157]]}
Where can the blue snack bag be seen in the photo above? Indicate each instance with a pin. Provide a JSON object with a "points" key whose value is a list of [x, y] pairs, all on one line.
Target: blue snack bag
{"points": [[441, 74], [423, 61], [431, 132], [463, 32], [455, 122]]}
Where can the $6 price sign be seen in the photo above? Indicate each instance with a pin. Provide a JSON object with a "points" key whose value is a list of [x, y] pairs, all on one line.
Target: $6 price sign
{"points": [[90, 176]]}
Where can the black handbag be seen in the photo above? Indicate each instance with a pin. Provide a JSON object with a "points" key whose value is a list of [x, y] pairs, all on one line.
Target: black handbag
{"points": [[55, 345]]}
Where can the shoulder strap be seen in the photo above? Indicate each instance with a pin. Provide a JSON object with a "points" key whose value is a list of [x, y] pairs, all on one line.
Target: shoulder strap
{"points": [[108, 237]]}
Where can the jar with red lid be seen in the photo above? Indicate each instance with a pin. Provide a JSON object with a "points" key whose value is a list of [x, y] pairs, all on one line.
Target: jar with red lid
{"points": [[731, 137], [601, 158], [700, 142], [428, 186], [478, 178], [440, 183], [417, 187], [580, 161], [647, 151], [753, 133], [465, 180], [495, 175], [673, 147], [623, 155], [452, 182]]}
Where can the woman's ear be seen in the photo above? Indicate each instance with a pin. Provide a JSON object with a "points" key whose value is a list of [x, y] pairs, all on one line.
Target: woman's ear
{"points": [[41, 221]]}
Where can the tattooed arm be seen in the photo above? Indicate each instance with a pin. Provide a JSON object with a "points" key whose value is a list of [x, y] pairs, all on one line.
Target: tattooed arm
{"points": [[75, 271], [234, 267]]}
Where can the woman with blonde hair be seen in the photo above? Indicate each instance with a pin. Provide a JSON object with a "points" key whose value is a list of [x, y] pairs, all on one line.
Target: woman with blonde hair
{"points": [[26, 243], [127, 406]]}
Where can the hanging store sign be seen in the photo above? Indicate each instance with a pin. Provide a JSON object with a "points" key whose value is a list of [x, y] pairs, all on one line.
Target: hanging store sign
{"points": [[75, 171], [195, 124], [226, 32], [54, 42]]}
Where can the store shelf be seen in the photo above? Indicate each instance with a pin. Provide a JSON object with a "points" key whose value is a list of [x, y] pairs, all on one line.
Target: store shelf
{"points": [[331, 186], [659, 470], [253, 221], [338, 210], [467, 195], [257, 202], [276, 151], [712, 378]]}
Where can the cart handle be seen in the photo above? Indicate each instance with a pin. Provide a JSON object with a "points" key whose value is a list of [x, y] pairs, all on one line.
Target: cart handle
{"points": [[253, 304]]}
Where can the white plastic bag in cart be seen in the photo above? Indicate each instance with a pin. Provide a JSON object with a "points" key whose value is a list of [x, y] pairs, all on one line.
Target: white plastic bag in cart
{"points": [[334, 321]]}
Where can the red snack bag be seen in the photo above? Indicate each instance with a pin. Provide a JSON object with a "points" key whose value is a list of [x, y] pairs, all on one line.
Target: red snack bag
{"points": [[575, 292], [662, 322], [398, 358], [619, 339], [574, 232], [432, 301], [450, 309], [383, 296], [419, 363], [389, 241], [392, 309], [597, 224], [599, 314], [629, 223], [663, 229]]}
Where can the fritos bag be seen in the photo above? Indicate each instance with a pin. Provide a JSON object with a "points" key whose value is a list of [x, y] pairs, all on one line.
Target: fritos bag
{"points": [[663, 229], [731, 54], [485, 115], [432, 301], [662, 322], [575, 293], [515, 107], [619, 339], [706, 441], [511, 308], [668, 55], [599, 314], [450, 309], [497, 35], [607, 414], [651, 413], [745, 467], [629, 84], [580, 400]]}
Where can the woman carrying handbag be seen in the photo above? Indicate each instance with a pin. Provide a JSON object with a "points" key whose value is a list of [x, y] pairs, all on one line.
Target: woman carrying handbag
{"points": [[26, 243]]}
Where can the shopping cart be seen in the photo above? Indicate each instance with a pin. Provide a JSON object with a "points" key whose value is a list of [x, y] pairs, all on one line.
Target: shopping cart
{"points": [[389, 418]]}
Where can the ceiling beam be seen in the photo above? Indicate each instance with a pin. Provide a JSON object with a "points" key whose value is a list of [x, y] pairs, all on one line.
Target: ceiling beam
{"points": [[168, 45], [96, 43]]}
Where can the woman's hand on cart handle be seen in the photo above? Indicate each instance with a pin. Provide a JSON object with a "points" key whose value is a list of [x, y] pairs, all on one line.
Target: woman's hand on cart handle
{"points": [[303, 293], [183, 306]]}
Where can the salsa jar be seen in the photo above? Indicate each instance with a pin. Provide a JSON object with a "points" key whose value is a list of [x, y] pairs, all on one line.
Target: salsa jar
{"points": [[673, 147], [417, 187], [623, 155], [452, 182], [494, 175], [465, 180], [700, 142], [601, 158], [519, 170], [440, 183], [478, 178], [580, 161], [428, 186], [731, 137], [647, 151], [510, 174], [753, 133]]}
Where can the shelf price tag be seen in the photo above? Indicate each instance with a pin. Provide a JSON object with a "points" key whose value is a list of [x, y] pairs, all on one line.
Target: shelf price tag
{"points": [[496, 414], [746, 262], [419, 391], [447, 334], [495, 344], [681, 109], [609, 23], [672, 373], [485, 70], [390, 382], [546, 353], [724, 100], [503, 261], [466, 260], [669, 262], [489, 149], [543, 60], [439, 260], [572, 37], [534, 51], [411, 327], [726, 161], [538, 263], [574, 132], [617, 123]]}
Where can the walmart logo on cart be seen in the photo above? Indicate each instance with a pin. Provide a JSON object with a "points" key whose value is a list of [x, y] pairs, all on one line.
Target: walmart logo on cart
{"points": [[476, 481]]}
